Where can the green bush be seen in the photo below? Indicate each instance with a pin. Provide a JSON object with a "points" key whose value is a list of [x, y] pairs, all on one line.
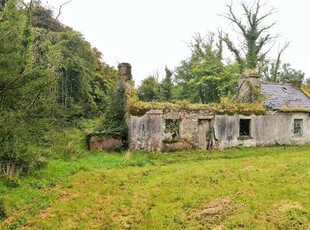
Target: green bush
{"points": [[19, 156], [30, 147], [66, 143], [114, 122]]}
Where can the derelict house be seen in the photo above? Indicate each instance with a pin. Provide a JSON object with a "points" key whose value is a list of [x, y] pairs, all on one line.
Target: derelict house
{"points": [[283, 118]]}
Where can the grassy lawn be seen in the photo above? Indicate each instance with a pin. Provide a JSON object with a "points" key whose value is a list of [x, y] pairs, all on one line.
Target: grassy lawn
{"points": [[251, 188]]}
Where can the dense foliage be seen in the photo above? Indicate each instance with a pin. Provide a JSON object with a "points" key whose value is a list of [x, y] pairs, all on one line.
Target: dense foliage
{"points": [[151, 89], [113, 122], [49, 77], [201, 78]]}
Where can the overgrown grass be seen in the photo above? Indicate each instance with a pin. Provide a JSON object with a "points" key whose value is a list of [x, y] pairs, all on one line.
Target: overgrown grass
{"points": [[243, 188]]}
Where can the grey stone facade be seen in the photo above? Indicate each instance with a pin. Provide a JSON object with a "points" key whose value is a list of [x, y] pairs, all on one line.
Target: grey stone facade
{"points": [[182, 129], [203, 131]]}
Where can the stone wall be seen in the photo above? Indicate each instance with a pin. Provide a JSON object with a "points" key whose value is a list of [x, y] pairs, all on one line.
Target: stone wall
{"points": [[96, 142], [205, 131], [146, 133], [271, 129], [249, 89]]}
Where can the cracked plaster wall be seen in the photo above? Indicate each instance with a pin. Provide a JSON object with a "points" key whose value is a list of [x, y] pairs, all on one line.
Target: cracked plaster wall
{"points": [[147, 133]]}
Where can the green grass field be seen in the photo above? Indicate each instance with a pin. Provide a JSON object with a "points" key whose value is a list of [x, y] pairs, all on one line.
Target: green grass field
{"points": [[242, 188]]}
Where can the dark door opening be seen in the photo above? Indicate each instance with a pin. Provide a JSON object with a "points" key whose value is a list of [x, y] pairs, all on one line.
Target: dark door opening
{"points": [[245, 125], [204, 134]]}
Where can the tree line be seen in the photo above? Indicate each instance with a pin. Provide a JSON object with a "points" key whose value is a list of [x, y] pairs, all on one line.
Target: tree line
{"points": [[207, 75], [50, 76]]}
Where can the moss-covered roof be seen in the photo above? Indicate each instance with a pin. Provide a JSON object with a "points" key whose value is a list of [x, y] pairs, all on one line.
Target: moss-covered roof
{"points": [[138, 108], [250, 73]]}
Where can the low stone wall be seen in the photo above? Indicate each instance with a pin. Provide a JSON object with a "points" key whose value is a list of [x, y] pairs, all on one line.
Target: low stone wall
{"points": [[96, 142]]}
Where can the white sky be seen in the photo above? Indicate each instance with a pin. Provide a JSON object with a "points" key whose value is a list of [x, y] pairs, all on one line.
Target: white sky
{"points": [[150, 34]]}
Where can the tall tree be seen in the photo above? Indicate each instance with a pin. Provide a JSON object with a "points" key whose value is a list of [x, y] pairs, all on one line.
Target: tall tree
{"points": [[21, 90], [149, 90], [254, 33], [77, 69], [203, 77], [289, 74], [281, 74], [166, 86]]}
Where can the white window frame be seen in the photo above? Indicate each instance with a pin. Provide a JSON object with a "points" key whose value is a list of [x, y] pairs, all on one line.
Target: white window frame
{"points": [[298, 127]]}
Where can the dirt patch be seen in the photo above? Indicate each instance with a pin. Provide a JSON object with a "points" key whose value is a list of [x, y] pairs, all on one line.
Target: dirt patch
{"points": [[217, 208], [288, 205], [45, 214], [213, 214], [65, 196], [251, 168]]}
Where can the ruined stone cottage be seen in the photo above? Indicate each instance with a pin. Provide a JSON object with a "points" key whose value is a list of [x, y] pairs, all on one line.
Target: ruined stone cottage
{"points": [[282, 118]]}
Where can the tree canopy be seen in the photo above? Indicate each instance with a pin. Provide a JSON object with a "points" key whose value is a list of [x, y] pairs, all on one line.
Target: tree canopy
{"points": [[203, 77], [49, 75]]}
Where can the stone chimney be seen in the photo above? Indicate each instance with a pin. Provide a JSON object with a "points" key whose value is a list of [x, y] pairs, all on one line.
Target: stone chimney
{"points": [[249, 86], [124, 70], [126, 83]]}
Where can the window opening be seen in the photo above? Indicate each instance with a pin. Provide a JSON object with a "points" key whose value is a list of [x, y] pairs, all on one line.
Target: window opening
{"points": [[245, 125], [298, 127], [172, 128]]}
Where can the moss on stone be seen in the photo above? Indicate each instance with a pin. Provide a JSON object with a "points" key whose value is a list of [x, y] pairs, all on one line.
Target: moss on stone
{"points": [[247, 73], [139, 108], [295, 110], [305, 90]]}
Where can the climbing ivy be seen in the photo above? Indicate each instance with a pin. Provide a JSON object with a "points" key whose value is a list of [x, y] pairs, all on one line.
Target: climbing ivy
{"points": [[114, 119]]}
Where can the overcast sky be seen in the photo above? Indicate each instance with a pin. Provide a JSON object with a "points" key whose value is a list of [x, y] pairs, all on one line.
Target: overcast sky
{"points": [[150, 34]]}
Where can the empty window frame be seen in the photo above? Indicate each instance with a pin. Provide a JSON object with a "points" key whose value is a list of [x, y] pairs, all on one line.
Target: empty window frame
{"points": [[172, 128], [298, 127], [245, 128]]}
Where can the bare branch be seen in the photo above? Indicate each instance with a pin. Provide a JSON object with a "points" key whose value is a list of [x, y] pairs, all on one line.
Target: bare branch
{"points": [[278, 61], [248, 13], [265, 28], [285, 46], [261, 43], [234, 50], [232, 17], [272, 11], [60, 8]]}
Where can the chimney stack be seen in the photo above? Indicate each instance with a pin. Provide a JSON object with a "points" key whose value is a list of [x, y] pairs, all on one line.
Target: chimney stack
{"points": [[249, 86], [124, 70]]}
